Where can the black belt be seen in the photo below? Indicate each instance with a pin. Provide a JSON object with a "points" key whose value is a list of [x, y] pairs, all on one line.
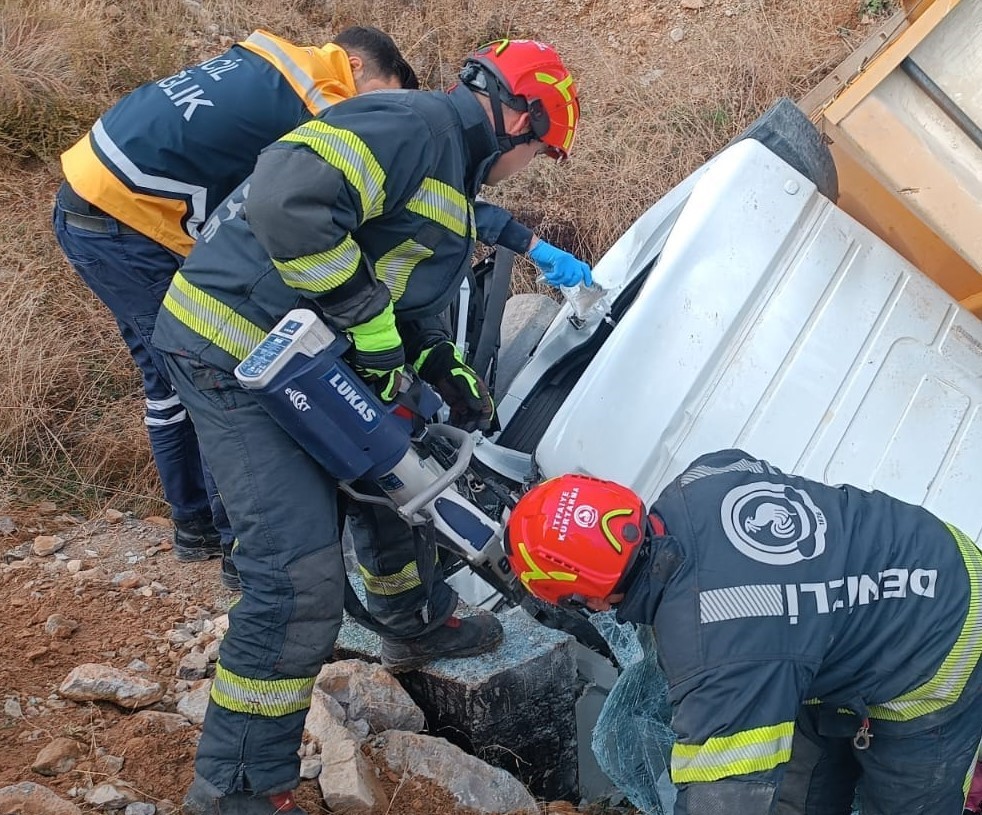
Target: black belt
{"points": [[80, 214]]}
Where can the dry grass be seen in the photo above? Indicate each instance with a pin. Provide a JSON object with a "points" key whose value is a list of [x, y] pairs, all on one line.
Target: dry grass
{"points": [[70, 401]]}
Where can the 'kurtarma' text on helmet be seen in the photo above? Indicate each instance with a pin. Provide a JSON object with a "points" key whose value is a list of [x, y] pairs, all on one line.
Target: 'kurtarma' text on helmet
{"points": [[527, 75], [574, 537]]}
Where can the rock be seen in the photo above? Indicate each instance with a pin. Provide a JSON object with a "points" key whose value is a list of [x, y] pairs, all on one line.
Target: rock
{"points": [[110, 765], [110, 796], [192, 705], [347, 780], [473, 783], [676, 34], [7, 526], [194, 665], [369, 692], [28, 798], [12, 708], [310, 767], [212, 649], [221, 626], [45, 545], [693, 5], [157, 520], [140, 808], [166, 807], [91, 682], [114, 516], [47, 508], [129, 580], [138, 665], [59, 627], [58, 757], [157, 719], [74, 566]]}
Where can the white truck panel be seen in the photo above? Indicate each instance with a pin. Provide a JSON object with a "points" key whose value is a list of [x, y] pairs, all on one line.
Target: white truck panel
{"points": [[775, 323]]}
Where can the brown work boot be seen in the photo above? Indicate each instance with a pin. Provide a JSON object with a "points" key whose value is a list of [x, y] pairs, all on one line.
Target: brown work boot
{"points": [[457, 637]]}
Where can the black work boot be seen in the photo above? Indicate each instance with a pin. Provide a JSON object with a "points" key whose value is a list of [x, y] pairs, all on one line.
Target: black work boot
{"points": [[457, 637], [204, 799], [230, 575], [196, 539]]}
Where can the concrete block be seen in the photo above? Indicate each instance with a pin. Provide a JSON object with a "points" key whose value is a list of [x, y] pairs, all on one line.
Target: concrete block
{"points": [[514, 708]]}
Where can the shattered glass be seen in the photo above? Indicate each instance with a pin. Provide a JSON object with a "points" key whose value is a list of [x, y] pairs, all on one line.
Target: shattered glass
{"points": [[632, 740]]}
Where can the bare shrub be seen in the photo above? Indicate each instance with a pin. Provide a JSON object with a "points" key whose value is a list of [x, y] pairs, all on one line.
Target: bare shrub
{"points": [[653, 110]]}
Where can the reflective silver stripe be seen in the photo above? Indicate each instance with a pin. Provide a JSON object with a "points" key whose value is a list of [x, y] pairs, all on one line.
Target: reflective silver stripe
{"points": [[389, 585], [211, 318], [395, 266], [739, 602], [704, 470], [442, 203], [347, 153], [270, 697], [151, 421], [197, 196], [163, 404], [301, 77], [324, 271], [723, 756]]}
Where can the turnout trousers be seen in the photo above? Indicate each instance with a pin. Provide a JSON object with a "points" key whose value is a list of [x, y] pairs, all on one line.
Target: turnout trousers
{"points": [[284, 509], [130, 274], [927, 772]]}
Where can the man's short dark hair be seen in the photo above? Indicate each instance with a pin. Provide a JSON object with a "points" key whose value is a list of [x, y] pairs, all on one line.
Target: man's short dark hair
{"points": [[379, 53]]}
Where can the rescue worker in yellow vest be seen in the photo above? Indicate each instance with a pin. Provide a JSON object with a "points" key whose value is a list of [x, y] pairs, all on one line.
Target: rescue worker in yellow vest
{"points": [[143, 182], [815, 639], [366, 215]]}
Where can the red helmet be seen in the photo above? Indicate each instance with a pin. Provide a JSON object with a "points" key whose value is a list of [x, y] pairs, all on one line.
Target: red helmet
{"points": [[574, 537], [529, 76]]}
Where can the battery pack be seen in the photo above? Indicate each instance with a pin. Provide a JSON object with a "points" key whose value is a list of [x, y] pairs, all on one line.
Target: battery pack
{"points": [[299, 377]]}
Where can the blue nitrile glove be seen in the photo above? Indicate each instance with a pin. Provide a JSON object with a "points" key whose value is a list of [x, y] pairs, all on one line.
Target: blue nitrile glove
{"points": [[560, 268]]}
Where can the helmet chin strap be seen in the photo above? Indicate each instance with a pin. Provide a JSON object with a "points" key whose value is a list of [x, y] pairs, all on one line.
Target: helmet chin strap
{"points": [[505, 141]]}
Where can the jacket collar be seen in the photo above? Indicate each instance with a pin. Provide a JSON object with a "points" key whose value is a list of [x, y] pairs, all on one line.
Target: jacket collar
{"points": [[653, 569], [480, 146]]}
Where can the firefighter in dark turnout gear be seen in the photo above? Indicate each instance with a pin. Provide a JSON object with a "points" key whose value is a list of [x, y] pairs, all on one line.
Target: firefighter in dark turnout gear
{"points": [[367, 215], [141, 185], [814, 638]]}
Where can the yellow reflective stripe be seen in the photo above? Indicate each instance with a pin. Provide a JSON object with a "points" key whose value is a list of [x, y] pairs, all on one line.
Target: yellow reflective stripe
{"points": [[442, 203], [262, 697], [563, 86], [605, 527], [211, 318], [323, 271], [395, 266], [751, 751], [535, 572], [946, 686], [344, 151], [391, 584]]}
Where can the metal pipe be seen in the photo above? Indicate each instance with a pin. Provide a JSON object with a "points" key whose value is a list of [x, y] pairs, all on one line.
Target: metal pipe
{"points": [[942, 100]]}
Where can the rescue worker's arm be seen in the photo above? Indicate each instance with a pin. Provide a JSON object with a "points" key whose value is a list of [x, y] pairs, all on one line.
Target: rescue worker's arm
{"points": [[312, 189], [734, 725]]}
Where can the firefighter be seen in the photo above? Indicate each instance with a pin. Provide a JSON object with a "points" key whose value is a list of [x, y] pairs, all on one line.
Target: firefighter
{"points": [[142, 183], [365, 214], [814, 638]]}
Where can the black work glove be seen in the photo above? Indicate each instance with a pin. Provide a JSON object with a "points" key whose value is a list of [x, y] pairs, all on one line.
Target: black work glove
{"points": [[471, 406]]}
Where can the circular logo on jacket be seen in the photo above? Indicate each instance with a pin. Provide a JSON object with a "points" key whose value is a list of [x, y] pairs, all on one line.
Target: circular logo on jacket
{"points": [[773, 523], [585, 516]]}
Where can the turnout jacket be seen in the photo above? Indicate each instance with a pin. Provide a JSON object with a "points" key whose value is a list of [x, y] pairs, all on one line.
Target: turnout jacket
{"points": [[163, 157], [367, 206], [769, 591]]}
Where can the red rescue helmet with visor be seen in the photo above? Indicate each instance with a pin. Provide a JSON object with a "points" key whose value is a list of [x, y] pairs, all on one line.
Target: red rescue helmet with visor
{"points": [[575, 537], [527, 75]]}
